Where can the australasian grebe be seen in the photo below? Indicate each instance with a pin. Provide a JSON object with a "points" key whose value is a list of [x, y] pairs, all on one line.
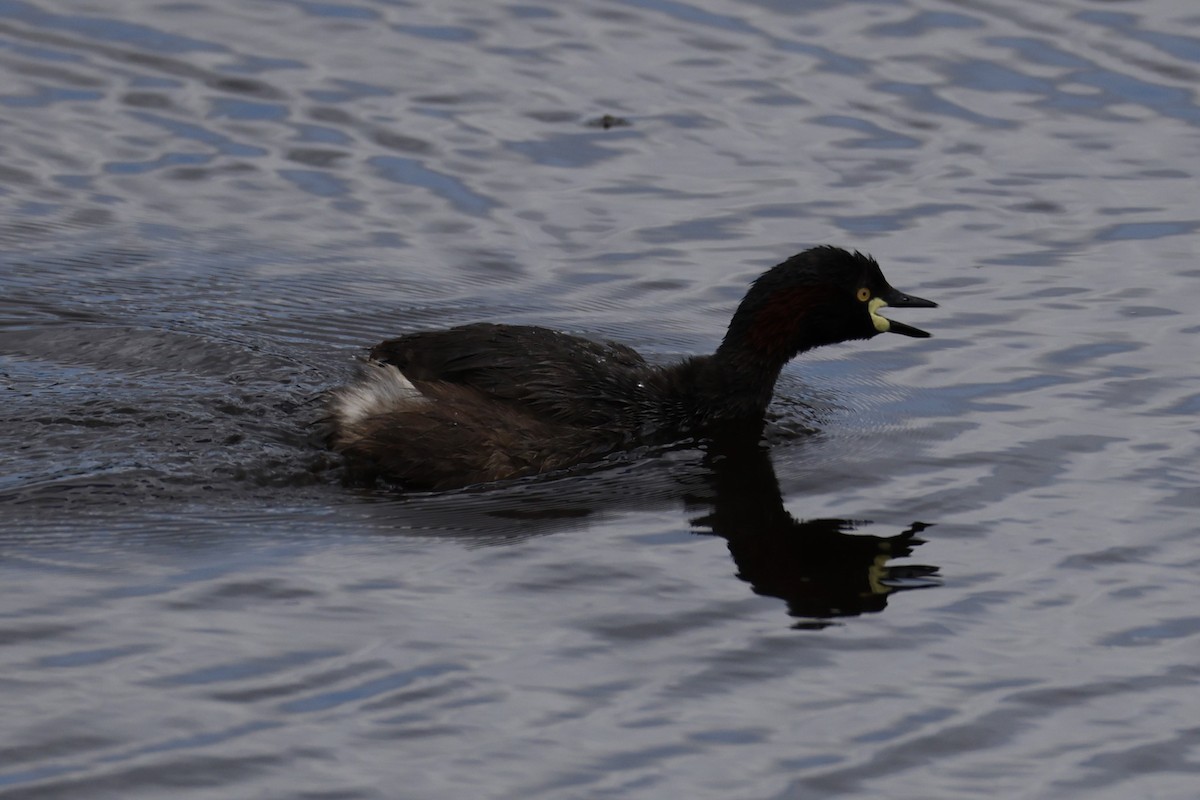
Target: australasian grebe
{"points": [[484, 402]]}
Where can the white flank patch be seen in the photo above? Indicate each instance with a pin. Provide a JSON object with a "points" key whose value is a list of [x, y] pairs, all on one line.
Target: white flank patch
{"points": [[382, 388]]}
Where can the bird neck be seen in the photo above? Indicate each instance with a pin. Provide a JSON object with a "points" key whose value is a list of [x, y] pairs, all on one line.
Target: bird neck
{"points": [[734, 385], [706, 392]]}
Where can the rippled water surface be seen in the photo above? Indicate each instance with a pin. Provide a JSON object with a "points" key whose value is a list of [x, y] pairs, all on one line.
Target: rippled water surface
{"points": [[965, 567]]}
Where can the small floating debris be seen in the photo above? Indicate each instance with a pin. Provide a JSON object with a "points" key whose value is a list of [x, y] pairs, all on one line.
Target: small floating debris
{"points": [[609, 121]]}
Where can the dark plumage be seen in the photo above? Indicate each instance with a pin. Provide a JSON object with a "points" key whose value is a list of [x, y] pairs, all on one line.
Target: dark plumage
{"points": [[483, 402]]}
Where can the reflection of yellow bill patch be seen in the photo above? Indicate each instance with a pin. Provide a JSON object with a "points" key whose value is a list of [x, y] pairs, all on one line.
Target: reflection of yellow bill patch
{"points": [[877, 572], [881, 324]]}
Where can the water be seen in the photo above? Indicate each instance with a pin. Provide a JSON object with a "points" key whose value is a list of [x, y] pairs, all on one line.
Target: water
{"points": [[965, 568]]}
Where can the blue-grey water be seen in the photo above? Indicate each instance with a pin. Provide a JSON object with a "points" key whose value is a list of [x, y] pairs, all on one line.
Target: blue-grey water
{"points": [[966, 567]]}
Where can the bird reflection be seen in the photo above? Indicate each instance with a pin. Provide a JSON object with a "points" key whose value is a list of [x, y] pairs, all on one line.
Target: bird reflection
{"points": [[818, 567], [821, 568]]}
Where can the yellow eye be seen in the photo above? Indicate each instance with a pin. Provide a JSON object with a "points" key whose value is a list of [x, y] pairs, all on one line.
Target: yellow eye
{"points": [[864, 294]]}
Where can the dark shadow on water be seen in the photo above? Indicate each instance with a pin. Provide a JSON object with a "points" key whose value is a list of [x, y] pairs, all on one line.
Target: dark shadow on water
{"points": [[823, 569], [818, 567]]}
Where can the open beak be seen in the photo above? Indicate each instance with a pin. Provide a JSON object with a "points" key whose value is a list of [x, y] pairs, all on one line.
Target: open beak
{"points": [[897, 299]]}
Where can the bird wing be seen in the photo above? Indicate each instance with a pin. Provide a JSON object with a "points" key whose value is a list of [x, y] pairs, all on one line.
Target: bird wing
{"points": [[568, 378]]}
